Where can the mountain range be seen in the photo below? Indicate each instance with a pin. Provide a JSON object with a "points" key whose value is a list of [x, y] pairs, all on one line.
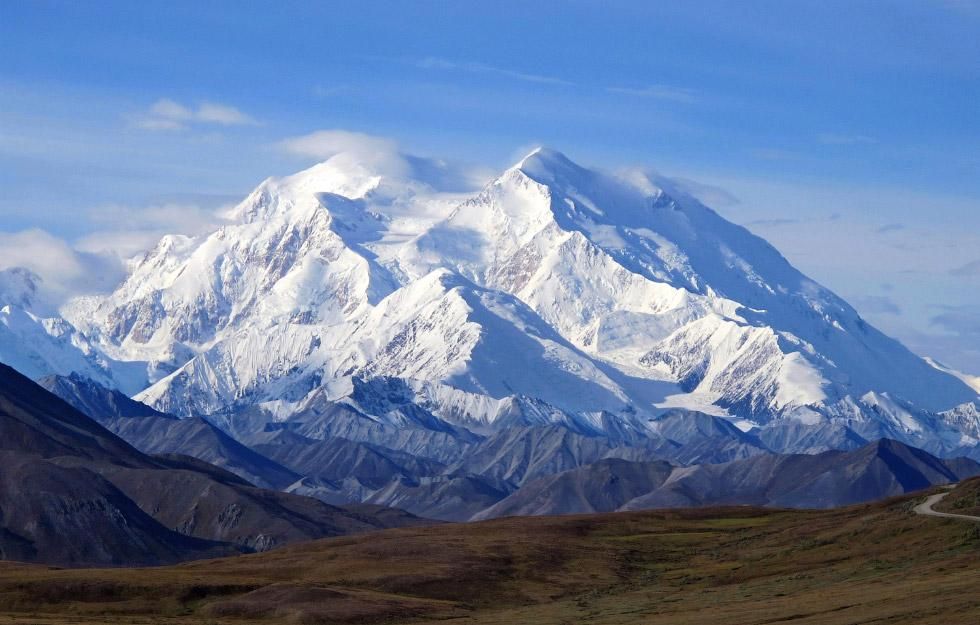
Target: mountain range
{"points": [[583, 292], [360, 335], [688, 459]]}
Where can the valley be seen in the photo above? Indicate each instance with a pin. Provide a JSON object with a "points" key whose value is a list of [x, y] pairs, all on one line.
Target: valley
{"points": [[875, 563]]}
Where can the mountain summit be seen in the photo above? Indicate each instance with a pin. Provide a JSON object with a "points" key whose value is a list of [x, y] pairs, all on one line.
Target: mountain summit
{"points": [[605, 297]]}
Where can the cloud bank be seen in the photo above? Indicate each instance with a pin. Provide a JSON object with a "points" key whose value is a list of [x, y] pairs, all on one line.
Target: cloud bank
{"points": [[127, 230], [64, 271], [96, 263]]}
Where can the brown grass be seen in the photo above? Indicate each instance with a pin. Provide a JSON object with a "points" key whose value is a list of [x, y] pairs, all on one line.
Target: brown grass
{"points": [[965, 499], [868, 564]]}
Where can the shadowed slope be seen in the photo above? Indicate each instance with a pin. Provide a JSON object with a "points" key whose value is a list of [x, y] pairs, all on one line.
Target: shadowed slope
{"points": [[72, 492]]}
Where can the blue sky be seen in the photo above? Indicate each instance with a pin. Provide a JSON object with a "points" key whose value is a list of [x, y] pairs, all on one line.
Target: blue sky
{"points": [[847, 133]]}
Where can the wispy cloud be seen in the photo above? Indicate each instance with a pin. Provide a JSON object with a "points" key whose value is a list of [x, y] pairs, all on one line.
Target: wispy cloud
{"points": [[436, 63], [322, 144], [383, 156], [710, 194], [655, 91], [830, 138], [658, 92], [95, 263], [166, 114], [129, 230]]}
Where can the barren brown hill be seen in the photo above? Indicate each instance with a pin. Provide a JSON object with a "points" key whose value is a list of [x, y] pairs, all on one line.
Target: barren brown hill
{"points": [[877, 563], [965, 499]]}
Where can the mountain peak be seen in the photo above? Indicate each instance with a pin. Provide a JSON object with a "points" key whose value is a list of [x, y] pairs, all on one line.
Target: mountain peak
{"points": [[545, 164], [18, 286], [543, 152]]}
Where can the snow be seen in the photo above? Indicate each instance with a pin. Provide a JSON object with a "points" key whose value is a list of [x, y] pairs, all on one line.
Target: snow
{"points": [[973, 381], [555, 292], [18, 287]]}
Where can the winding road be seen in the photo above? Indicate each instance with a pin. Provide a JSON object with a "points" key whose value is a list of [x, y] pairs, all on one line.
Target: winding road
{"points": [[925, 508]]}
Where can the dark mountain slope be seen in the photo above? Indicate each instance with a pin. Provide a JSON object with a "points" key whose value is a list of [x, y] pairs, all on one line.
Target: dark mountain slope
{"points": [[198, 438], [154, 432], [74, 493], [599, 487], [36, 422], [93, 399], [881, 469], [701, 438], [338, 459], [520, 454], [447, 498], [878, 470], [63, 515]]}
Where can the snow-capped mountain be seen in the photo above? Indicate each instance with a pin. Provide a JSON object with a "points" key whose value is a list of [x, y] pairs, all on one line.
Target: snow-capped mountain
{"points": [[39, 346], [556, 293]]}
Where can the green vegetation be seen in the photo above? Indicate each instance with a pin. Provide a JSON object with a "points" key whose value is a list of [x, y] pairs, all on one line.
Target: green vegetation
{"points": [[876, 563]]}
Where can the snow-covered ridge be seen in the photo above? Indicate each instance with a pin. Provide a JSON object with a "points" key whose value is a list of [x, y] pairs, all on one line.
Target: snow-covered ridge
{"points": [[592, 293]]}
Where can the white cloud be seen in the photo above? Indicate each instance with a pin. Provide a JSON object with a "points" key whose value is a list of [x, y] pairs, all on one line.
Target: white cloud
{"points": [[185, 218], [64, 271], [384, 156], [168, 109], [120, 243], [323, 144], [209, 112], [126, 231], [709, 194], [378, 153], [166, 114], [96, 263], [159, 123]]}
